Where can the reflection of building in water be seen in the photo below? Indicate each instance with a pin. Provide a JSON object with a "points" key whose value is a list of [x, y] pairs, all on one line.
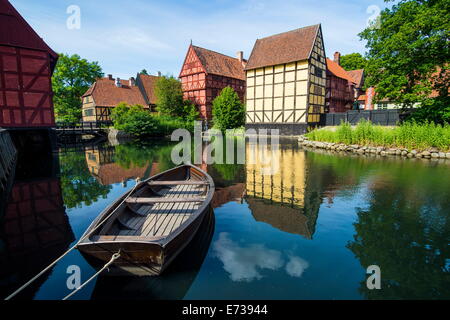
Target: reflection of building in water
{"points": [[289, 199], [101, 165], [34, 232], [224, 195]]}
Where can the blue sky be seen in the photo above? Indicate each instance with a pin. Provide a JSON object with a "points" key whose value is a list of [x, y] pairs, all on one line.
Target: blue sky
{"points": [[128, 35]]}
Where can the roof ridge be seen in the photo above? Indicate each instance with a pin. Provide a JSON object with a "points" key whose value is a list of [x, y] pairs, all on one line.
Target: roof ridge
{"points": [[277, 34], [225, 55]]}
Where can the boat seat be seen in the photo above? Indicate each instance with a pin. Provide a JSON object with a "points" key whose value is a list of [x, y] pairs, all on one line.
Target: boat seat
{"points": [[164, 200], [179, 182]]}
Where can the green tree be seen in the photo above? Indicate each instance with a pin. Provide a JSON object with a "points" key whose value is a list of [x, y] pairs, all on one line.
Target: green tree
{"points": [[72, 78], [353, 61], [409, 53], [228, 110], [134, 120], [169, 96], [144, 71]]}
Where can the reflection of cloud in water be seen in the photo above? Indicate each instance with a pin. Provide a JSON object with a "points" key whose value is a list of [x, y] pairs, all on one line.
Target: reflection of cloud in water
{"points": [[244, 263], [296, 266]]}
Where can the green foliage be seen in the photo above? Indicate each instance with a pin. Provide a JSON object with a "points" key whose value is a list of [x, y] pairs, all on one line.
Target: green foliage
{"points": [[190, 112], [138, 122], [228, 110], [78, 186], [353, 61], [134, 120], [409, 53], [144, 71], [169, 96], [72, 78], [410, 135]]}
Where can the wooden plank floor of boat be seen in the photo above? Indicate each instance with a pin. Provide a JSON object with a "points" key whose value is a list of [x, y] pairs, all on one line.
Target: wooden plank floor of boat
{"points": [[161, 219]]}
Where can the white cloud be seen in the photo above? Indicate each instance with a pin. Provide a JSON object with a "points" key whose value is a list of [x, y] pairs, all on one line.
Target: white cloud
{"points": [[246, 263], [296, 266]]}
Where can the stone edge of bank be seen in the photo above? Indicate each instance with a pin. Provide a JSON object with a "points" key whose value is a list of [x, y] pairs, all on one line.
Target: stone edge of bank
{"points": [[432, 153]]}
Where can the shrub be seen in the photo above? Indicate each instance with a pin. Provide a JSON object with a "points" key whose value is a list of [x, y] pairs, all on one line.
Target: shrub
{"points": [[228, 110], [134, 120]]}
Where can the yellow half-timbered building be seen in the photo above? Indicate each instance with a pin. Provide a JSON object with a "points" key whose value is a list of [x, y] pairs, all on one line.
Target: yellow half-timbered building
{"points": [[286, 81]]}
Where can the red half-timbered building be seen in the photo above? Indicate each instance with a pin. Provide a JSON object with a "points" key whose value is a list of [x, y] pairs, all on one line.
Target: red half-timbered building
{"points": [[205, 73], [26, 67], [340, 90]]}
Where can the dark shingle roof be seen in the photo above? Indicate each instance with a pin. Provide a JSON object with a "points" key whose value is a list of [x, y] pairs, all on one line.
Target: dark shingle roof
{"points": [[285, 47]]}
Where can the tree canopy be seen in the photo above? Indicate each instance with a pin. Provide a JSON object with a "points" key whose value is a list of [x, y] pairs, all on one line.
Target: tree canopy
{"points": [[408, 55], [353, 61], [228, 110], [169, 96], [72, 78]]}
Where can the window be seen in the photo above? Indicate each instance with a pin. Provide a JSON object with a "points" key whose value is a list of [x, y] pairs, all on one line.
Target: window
{"points": [[89, 112]]}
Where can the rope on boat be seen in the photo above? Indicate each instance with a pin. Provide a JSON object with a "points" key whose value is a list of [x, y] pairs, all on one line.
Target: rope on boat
{"points": [[114, 257], [12, 295]]}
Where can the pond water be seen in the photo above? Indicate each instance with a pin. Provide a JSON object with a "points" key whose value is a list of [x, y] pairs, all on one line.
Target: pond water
{"points": [[309, 231]]}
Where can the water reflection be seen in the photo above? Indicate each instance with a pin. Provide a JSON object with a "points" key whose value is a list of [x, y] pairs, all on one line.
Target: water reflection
{"points": [[35, 230], [288, 200], [247, 262], [350, 212]]}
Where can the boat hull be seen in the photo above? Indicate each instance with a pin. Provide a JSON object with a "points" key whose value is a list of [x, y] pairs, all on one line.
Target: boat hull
{"points": [[139, 257]]}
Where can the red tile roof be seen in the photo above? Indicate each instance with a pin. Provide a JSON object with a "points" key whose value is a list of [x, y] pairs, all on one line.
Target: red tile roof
{"points": [[357, 77], [220, 64], [295, 45], [106, 94], [148, 82], [16, 32], [337, 70]]}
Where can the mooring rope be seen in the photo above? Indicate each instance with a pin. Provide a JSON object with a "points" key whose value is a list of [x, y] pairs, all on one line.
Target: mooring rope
{"points": [[12, 295], [114, 257]]}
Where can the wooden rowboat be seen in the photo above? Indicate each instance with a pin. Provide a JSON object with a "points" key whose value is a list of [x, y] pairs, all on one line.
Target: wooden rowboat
{"points": [[151, 224]]}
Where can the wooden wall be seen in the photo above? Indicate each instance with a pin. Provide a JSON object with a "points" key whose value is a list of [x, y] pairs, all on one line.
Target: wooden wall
{"points": [[25, 88]]}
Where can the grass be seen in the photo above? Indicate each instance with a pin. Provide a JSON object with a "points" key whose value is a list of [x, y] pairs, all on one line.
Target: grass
{"points": [[409, 135]]}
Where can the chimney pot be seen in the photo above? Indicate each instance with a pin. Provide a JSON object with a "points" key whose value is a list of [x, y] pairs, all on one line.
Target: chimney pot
{"points": [[337, 57], [110, 77], [118, 83], [159, 73], [132, 82]]}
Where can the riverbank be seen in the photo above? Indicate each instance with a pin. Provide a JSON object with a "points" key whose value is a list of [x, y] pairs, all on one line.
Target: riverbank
{"points": [[432, 153], [413, 140]]}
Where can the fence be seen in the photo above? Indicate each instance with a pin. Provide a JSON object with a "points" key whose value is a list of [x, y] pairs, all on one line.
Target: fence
{"points": [[382, 117]]}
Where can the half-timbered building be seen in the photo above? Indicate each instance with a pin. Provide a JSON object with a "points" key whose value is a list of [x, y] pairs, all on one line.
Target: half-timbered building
{"points": [[341, 89], [107, 93], [26, 67], [286, 78], [205, 73]]}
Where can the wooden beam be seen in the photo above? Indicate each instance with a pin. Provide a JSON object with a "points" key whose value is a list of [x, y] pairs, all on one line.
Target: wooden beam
{"points": [[164, 200], [175, 183]]}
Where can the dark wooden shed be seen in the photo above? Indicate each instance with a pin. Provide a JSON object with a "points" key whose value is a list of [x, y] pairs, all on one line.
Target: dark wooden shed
{"points": [[26, 67]]}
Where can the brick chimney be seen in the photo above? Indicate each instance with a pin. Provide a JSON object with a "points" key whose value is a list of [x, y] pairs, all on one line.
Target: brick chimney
{"points": [[110, 77], [132, 82], [337, 57]]}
